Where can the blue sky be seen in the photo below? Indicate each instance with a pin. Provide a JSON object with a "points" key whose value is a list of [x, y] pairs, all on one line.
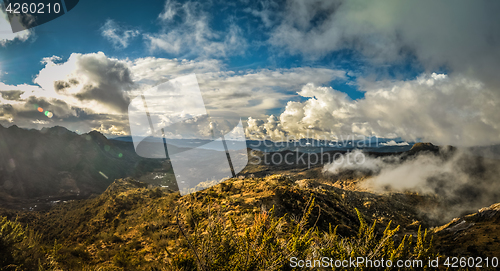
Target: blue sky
{"points": [[289, 67], [80, 31], [77, 31]]}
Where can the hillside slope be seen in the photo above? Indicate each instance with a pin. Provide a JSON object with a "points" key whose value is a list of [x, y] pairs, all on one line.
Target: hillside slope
{"points": [[55, 162], [140, 223], [476, 235]]}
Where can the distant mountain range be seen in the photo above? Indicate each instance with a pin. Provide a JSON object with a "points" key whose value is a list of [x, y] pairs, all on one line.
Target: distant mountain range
{"points": [[371, 144], [56, 161], [130, 216]]}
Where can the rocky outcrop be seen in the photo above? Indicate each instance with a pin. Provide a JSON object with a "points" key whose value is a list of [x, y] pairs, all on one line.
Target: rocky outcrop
{"points": [[419, 147], [476, 234]]}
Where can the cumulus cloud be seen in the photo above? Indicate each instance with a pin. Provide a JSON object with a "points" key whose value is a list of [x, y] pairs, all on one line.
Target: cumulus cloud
{"points": [[81, 94], [463, 36], [326, 112], [118, 35], [95, 90], [394, 143], [439, 108], [186, 31], [50, 60], [227, 96], [111, 129], [252, 93], [269, 129], [230, 95], [6, 34], [433, 107], [93, 80]]}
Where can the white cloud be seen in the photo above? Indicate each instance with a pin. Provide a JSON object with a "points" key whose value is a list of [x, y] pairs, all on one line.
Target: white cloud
{"points": [[50, 60], [463, 36], [82, 93], [91, 80], [91, 90], [152, 70], [394, 143], [193, 35], [464, 182], [6, 34], [118, 35], [169, 11], [229, 95], [433, 107], [249, 93], [254, 92], [264, 11], [111, 129]]}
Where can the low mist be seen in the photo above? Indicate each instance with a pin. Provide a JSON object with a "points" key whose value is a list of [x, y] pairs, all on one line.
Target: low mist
{"points": [[462, 181]]}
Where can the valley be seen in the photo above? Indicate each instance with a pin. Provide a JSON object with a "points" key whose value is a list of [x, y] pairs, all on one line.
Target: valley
{"points": [[136, 219]]}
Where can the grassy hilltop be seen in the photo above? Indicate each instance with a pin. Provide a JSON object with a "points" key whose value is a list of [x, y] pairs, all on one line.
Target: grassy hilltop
{"points": [[244, 224]]}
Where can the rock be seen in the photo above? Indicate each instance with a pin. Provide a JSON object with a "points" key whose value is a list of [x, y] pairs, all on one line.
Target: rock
{"points": [[419, 147]]}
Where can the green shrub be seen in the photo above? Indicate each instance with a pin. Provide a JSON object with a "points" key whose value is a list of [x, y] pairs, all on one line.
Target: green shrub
{"points": [[370, 246], [218, 237], [11, 236], [19, 247], [218, 243]]}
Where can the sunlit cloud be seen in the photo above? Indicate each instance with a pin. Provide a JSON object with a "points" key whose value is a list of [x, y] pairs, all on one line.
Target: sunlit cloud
{"points": [[6, 35], [118, 35]]}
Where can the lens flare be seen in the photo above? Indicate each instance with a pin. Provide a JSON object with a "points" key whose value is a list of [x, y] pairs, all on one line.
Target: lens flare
{"points": [[40, 109], [103, 175]]}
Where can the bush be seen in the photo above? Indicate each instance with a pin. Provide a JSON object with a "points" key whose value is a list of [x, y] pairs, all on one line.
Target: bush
{"points": [[218, 237], [367, 245], [19, 247], [11, 236], [218, 243]]}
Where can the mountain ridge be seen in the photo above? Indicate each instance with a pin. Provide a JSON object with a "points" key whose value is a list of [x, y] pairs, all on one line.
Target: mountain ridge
{"points": [[55, 161]]}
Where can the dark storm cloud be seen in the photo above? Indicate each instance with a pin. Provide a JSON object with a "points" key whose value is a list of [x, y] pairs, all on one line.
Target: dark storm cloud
{"points": [[109, 79], [7, 109], [82, 115], [106, 94], [12, 95], [238, 95], [35, 102], [59, 108], [61, 85], [462, 36]]}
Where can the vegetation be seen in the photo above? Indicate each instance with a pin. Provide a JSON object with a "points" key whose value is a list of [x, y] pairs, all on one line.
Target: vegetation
{"points": [[270, 242], [132, 227], [19, 247]]}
